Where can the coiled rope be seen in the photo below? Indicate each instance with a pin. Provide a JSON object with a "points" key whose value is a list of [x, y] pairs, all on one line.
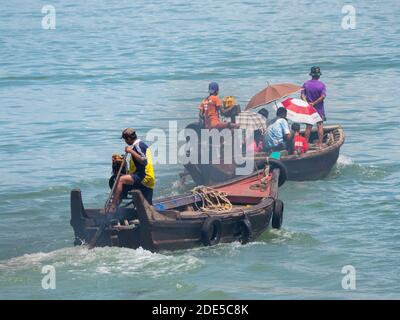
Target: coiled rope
{"points": [[212, 200]]}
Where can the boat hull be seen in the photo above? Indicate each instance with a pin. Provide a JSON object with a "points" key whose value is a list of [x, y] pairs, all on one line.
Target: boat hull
{"points": [[170, 225], [314, 168], [313, 165]]}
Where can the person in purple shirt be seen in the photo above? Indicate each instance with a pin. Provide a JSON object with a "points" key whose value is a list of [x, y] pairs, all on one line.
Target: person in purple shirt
{"points": [[314, 92]]}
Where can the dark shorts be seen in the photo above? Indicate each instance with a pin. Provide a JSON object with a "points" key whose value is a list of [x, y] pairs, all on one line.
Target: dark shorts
{"points": [[310, 125], [147, 192], [321, 111], [136, 177]]}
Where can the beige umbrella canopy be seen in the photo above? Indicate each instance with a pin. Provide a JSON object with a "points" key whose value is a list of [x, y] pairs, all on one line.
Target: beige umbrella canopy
{"points": [[252, 121], [271, 94]]}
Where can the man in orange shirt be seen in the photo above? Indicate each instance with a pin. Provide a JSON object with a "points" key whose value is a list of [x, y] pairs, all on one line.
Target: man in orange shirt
{"points": [[210, 108]]}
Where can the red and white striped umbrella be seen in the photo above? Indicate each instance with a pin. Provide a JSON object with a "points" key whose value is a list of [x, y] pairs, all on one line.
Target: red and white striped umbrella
{"points": [[301, 111]]}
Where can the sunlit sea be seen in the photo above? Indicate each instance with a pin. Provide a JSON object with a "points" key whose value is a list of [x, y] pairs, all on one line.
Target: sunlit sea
{"points": [[66, 94]]}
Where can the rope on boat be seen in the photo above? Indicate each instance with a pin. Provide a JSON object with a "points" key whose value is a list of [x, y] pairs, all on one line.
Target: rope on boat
{"points": [[212, 200], [263, 178]]}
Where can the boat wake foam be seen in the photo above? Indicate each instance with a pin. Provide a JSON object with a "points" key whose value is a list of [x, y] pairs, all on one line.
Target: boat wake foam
{"points": [[346, 167], [123, 261], [344, 160], [283, 236]]}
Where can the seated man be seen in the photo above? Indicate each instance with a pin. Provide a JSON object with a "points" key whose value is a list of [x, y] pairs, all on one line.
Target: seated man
{"points": [[278, 132], [300, 144], [141, 173]]}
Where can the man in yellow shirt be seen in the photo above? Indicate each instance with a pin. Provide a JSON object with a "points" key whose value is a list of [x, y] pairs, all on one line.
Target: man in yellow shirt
{"points": [[141, 172]]}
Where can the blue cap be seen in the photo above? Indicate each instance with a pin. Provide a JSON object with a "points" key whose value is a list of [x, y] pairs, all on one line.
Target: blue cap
{"points": [[213, 87]]}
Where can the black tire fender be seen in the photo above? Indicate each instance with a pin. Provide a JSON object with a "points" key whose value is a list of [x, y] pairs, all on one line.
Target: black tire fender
{"points": [[277, 215], [246, 231], [211, 231], [283, 174]]}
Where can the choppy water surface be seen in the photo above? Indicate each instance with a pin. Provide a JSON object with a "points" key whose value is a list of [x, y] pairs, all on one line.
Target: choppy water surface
{"points": [[65, 94]]}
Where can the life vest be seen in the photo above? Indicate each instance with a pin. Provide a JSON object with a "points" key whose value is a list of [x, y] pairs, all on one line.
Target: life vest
{"points": [[149, 179]]}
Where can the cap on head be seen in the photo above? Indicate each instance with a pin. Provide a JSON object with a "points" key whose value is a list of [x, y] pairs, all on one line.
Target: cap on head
{"points": [[213, 88], [128, 132], [315, 72]]}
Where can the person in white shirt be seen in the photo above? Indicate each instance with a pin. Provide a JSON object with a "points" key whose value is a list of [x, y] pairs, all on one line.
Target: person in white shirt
{"points": [[278, 132]]}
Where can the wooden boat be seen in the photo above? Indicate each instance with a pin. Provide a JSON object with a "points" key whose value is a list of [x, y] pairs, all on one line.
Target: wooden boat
{"points": [[312, 165], [179, 222]]}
